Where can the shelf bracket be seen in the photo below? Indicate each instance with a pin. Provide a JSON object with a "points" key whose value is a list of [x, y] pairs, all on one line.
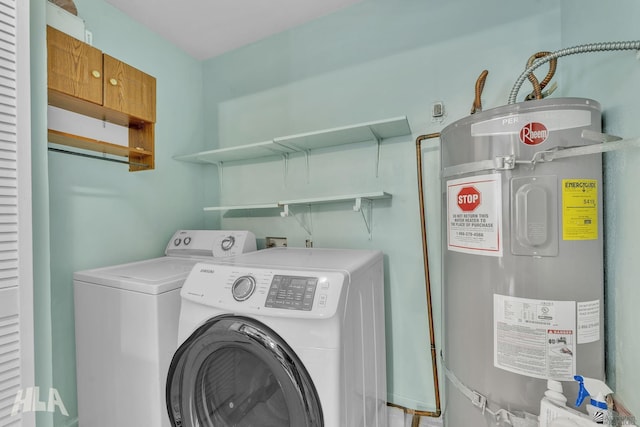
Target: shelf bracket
{"points": [[366, 211], [306, 224], [221, 173], [306, 159], [378, 140], [285, 161]]}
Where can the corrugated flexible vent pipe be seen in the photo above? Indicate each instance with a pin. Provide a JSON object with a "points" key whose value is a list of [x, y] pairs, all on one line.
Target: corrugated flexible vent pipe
{"points": [[585, 48]]}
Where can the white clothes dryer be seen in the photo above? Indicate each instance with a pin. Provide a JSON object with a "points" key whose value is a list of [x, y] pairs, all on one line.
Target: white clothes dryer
{"points": [[126, 325], [282, 337]]}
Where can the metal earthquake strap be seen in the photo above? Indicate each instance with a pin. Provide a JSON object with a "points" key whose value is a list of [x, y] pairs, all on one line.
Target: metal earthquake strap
{"points": [[478, 400], [499, 163], [502, 416], [606, 143]]}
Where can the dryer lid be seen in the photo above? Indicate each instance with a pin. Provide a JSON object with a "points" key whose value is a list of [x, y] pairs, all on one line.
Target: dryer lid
{"points": [[233, 371]]}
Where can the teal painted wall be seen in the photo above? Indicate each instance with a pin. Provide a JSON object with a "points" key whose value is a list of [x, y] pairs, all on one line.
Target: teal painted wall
{"points": [[613, 78], [101, 214], [374, 60]]}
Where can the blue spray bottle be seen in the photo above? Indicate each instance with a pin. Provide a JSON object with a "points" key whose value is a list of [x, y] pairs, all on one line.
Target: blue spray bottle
{"points": [[597, 407]]}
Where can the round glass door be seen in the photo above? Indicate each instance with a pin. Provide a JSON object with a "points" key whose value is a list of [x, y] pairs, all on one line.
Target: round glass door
{"points": [[236, 372]]}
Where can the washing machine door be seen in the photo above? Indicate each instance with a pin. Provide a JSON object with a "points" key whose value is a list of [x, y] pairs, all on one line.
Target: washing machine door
{"points": [[235, 371]]}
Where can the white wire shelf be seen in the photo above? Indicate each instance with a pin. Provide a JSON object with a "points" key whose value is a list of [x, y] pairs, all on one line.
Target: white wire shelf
{"points": [[242, 207], [304, 142], [362, 202], [355, 198]]}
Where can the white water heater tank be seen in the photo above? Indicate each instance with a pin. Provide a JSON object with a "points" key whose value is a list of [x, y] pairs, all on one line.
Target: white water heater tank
{"points": [[522, 257]]}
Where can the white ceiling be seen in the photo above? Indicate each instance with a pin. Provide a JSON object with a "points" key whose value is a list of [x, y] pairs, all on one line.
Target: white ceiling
{"points": [[206, 28]]}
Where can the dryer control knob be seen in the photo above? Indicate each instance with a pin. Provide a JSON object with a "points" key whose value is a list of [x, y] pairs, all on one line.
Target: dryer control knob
{"points": [[243, 288]]}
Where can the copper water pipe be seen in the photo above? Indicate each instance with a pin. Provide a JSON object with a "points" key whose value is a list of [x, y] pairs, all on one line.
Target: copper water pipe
{"points": [[538, 86], [425, 257], [477, 101], [553, 64], [432, 337]]}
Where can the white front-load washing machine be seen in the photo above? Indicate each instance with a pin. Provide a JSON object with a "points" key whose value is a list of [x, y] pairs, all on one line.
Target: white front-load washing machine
{"points": [[282, 337], [126, 324]]}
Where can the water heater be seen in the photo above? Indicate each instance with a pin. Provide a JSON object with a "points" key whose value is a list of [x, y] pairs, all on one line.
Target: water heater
{"points": [[522, 257]]}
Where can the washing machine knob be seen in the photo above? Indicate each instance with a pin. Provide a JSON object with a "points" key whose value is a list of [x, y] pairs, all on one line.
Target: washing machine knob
{"points": [[227, 243], [243, 288]]}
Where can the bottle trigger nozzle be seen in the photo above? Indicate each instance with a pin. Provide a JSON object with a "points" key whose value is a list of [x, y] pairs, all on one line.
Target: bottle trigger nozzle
{"points": [[599, 402], [597, 389], [582, 392]]}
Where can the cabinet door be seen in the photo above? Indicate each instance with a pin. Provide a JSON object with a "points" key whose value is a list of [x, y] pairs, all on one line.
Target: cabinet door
{"points": [[74, 67], [129, 90]]}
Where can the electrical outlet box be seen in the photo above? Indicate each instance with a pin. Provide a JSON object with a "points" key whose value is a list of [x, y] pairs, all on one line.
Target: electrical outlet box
{"points": [[437, 109], [275, 242]]}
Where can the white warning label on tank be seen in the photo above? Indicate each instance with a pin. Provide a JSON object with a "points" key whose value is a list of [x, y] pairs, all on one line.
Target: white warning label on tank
{"points": [[588, 321], [535, 338], [474, 215]]}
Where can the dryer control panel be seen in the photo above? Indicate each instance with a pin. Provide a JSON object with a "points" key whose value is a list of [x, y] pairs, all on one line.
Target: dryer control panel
{"points": [[291, 293]]}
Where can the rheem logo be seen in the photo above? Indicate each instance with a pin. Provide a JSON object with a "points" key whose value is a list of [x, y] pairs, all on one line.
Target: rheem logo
{"points": [[534, 133]]}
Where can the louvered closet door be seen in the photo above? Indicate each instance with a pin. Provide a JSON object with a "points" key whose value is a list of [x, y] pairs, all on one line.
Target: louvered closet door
{"points": [[16, 284]]}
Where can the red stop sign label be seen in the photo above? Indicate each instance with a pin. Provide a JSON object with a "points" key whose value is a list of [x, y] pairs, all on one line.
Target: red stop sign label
{"points": [[468, 199]]}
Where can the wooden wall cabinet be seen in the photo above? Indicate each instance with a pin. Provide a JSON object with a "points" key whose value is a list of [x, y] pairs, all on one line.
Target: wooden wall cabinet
{"points": [[84, 80]]}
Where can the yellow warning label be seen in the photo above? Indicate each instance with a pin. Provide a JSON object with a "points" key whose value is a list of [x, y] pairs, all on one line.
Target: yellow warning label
{"points": [[579, 209]]}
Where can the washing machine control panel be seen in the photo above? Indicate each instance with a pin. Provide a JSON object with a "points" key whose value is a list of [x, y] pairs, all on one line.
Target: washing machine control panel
{"points": [[293, 293], [210, 243]]}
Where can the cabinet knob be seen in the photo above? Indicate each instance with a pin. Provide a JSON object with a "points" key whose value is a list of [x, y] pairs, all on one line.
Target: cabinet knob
{"points": [[113, 81], [96, 74]]}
